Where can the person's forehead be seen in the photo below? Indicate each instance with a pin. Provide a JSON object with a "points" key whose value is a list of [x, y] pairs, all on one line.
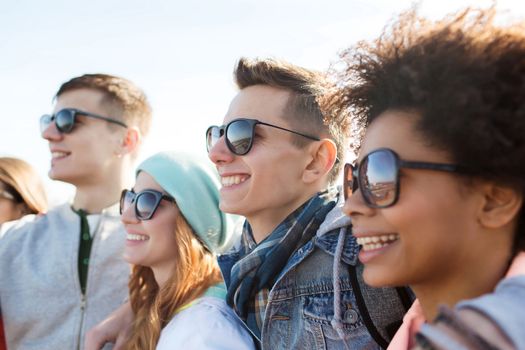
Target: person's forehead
{"points": [[260, 102]]}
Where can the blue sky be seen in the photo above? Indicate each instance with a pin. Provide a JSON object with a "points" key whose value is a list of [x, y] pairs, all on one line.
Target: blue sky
{"points": [[180, 52]]}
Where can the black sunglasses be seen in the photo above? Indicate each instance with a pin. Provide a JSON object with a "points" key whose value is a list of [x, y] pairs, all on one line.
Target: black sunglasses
{"points": [[239, 134], [146, 202], [65, 119], [377, 176]]}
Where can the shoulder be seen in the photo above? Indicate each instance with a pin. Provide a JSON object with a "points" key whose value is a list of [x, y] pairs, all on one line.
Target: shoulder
{"points": [[31, 227], [504, 308], [208, 324], [7, 227]]}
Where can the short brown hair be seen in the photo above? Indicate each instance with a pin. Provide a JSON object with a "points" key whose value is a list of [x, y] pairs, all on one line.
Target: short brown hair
{"points": [[303, 112], [121, 94]]}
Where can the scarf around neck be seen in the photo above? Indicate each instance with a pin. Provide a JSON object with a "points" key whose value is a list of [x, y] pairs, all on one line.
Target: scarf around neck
{"points": [[254, 274]]}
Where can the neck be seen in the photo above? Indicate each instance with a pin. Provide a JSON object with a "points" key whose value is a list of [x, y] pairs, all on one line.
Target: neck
{"points": [[264, 223], [102, 192], [162, 274]]}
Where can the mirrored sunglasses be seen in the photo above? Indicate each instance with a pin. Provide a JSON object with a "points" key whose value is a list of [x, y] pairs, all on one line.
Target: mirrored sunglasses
{"points": [[239, 134], [146, 202], [377, 176], [65, 120]]}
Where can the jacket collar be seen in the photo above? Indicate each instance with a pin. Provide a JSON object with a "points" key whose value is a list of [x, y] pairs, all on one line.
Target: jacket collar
{"points": [[328, 243]]}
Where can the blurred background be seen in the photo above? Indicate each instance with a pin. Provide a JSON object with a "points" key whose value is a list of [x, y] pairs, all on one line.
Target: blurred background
{"points": [[181, 53]]}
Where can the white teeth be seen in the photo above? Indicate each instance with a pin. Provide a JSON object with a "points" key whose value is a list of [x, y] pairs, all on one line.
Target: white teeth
{"points": [[57, 154], [227, 181], [134, 237], [376, 242]]}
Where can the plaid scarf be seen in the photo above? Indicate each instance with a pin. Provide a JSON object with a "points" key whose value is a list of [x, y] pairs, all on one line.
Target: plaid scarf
{"points": [[254, 274]]}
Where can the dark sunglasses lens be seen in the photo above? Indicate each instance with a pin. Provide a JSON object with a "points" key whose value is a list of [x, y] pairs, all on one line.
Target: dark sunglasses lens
{"points": [[239, 136], [65, 119], [126, 199], [213, 134], [45, 120], [378, 178], [146, 205]]}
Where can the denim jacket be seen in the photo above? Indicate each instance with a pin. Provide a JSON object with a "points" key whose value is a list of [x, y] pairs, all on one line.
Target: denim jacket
{"points": [[300, 313]]}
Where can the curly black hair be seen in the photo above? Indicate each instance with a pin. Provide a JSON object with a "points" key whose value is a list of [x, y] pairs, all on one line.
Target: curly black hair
{"points": [[464, 76]]}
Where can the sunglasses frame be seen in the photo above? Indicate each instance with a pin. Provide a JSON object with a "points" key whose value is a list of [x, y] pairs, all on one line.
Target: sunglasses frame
{"points": [[223, 131], [47, 119], [355, 170], [159, 196]]}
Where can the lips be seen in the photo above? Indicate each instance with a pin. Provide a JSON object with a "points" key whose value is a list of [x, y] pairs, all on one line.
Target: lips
{"points": [[372, 242], [59, 154], [232, 180], [136, 237]]}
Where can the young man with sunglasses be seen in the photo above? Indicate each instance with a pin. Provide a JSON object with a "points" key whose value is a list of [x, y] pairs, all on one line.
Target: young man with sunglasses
{"points": [[295, 279], [63, 272]]}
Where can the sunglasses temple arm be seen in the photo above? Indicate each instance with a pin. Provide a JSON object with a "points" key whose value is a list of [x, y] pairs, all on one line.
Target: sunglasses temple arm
{"points": [[293, 132]]}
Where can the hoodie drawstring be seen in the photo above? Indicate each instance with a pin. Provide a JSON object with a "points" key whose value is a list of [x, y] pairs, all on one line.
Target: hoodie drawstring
{"points": [[337, 321]]}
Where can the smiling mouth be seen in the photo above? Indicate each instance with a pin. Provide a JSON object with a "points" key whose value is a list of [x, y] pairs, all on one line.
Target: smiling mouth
{"points": [[135, 237], [59, 155], [227, 181], [376, 242]]}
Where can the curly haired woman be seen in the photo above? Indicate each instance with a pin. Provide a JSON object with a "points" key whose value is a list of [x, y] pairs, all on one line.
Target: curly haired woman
{"points": [[436, 196]]}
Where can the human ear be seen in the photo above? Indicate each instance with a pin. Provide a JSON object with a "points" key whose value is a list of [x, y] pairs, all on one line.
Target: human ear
{"points": [[131, 140], [501, 205], [324, 155]]}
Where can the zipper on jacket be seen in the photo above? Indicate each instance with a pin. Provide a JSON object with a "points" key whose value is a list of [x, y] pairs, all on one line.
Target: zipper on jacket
{"points": [[82, 310], [83, 297]]}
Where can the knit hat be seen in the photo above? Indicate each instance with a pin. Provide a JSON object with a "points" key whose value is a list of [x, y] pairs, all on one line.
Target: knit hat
{"points": [[194, 184]]}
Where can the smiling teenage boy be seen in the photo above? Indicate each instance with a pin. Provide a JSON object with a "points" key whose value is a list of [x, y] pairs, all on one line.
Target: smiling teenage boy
{"points": [[61, 273], [295, 279]]}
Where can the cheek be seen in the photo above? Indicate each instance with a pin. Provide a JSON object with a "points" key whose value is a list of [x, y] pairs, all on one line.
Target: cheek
{"points": [[163, 230], [429, 220]]}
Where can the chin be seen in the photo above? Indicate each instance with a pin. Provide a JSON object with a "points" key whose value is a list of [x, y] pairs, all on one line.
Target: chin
{"points": [[230, 209], [377, 277], [54, 174], [132, 260]]}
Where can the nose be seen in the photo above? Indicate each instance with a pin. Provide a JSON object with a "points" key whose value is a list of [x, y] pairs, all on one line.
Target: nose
{"points": [[128, 215], [219, 153], [51, 133], [355, 206]]}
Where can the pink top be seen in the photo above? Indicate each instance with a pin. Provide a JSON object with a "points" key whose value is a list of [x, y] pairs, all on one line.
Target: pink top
{"points": [[404, 337]]}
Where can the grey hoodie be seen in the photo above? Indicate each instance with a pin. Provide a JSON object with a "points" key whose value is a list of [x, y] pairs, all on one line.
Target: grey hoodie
{"points": [[40, 298]]}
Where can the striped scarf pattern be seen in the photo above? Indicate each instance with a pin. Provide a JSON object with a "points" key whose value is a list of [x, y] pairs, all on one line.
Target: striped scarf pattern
{"points": [[254, 274]]}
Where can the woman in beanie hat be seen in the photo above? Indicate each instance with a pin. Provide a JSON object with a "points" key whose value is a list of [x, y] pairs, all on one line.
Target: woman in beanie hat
{"points": [[174, 229]]}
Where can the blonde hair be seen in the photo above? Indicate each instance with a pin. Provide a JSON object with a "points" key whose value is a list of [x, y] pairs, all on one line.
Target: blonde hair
{"points": [[154, 307], [22, 179]]}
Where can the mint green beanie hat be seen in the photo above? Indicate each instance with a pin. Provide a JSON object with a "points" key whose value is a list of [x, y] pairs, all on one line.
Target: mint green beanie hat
{"points": [[194, 184]]}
